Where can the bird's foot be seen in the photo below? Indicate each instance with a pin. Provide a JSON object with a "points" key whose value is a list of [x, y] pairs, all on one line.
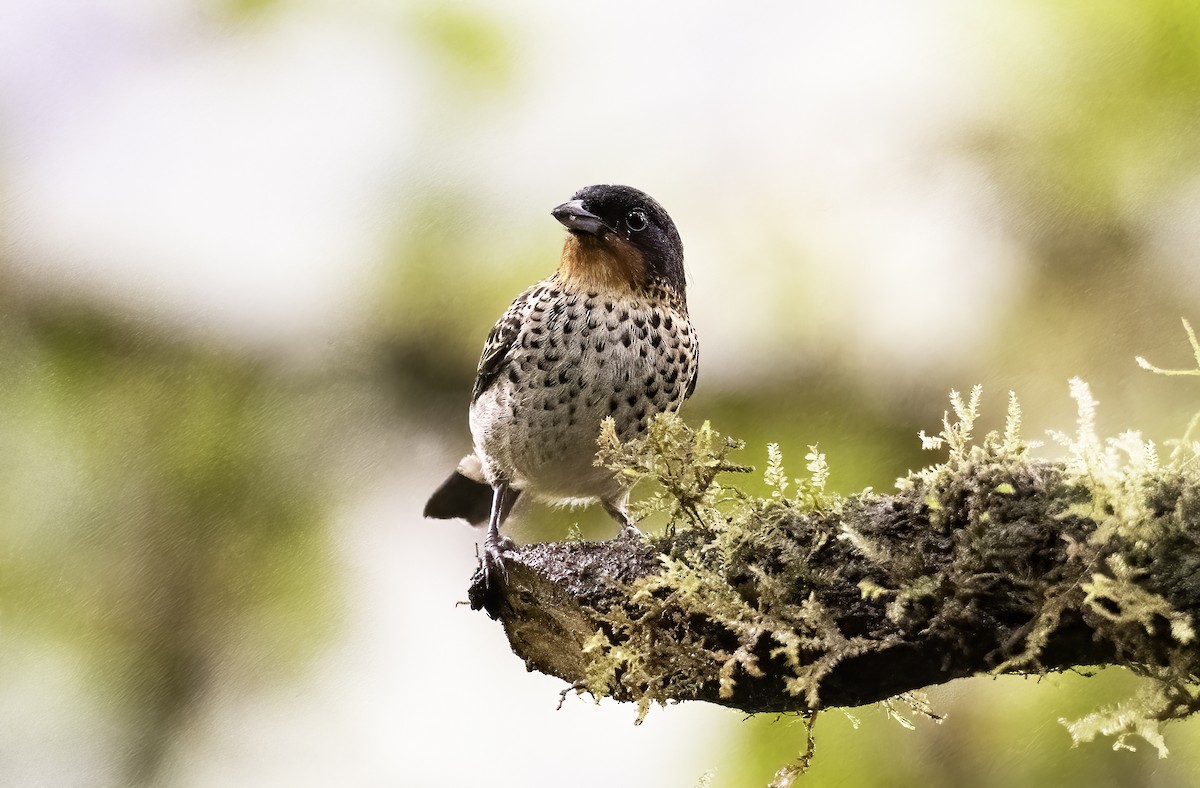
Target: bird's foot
{"points": [[490, 582], [495, 573], [630, 531], [618, 513]]}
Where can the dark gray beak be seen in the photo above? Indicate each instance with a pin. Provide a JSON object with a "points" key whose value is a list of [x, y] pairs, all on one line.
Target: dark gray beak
{"points": [[577, 219]]}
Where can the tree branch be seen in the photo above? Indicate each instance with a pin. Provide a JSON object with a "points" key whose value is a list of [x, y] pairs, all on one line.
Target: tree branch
{"points": [[993, 562]]}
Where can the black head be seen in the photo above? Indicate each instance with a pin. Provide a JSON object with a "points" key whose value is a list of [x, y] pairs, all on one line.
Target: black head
{"points": [[623, 213]]}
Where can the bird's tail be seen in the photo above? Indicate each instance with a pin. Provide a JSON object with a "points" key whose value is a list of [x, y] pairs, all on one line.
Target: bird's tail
{"points": [[461, 496]]}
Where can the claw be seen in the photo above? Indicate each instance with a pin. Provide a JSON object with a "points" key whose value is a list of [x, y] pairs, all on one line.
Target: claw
{"points": [[494, 569], [490, 583], [616, 510]]}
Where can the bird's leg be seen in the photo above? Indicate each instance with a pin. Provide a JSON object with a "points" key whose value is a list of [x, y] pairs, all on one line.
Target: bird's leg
{"points": [[616, 510], [494, 544], [506, 506]]}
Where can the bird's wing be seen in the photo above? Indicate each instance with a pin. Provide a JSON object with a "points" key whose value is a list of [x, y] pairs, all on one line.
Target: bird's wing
{"points": [[497, 350], [691, 386]]}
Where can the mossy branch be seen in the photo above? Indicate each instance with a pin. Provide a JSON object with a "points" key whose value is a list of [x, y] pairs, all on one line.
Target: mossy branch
{"points": [[992, 561], [993, 568]]}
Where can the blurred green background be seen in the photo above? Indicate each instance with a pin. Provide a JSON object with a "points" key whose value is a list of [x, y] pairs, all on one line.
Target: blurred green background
{"points": [[250, 252]]}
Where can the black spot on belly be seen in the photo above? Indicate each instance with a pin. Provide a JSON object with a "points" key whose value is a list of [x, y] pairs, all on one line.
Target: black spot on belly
{"points": [[632, 399], [626, 338], [613, 405]]}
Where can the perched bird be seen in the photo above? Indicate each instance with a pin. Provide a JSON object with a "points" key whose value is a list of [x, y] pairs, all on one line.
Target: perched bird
{"points": [[607, 334]]}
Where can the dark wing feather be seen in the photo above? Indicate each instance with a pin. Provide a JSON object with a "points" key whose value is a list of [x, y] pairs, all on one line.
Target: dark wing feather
{"points": [[691, 386], [497, 349]]}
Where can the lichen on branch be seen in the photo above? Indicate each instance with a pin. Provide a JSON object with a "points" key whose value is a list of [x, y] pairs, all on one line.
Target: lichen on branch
{"points": [[990, 561]]}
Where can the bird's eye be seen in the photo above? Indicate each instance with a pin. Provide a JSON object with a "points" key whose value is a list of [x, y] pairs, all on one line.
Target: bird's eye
{"points": [[636, 220]]}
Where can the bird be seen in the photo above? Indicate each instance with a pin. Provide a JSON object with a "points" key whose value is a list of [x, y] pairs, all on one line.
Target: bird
{"points": [[606, 335]]}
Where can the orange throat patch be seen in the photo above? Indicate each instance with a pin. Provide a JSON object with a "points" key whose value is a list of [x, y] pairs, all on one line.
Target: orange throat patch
{"points": [[608, 264]]}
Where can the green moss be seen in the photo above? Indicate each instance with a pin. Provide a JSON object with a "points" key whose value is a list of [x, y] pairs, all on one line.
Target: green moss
{"points": [[748, 580]]}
